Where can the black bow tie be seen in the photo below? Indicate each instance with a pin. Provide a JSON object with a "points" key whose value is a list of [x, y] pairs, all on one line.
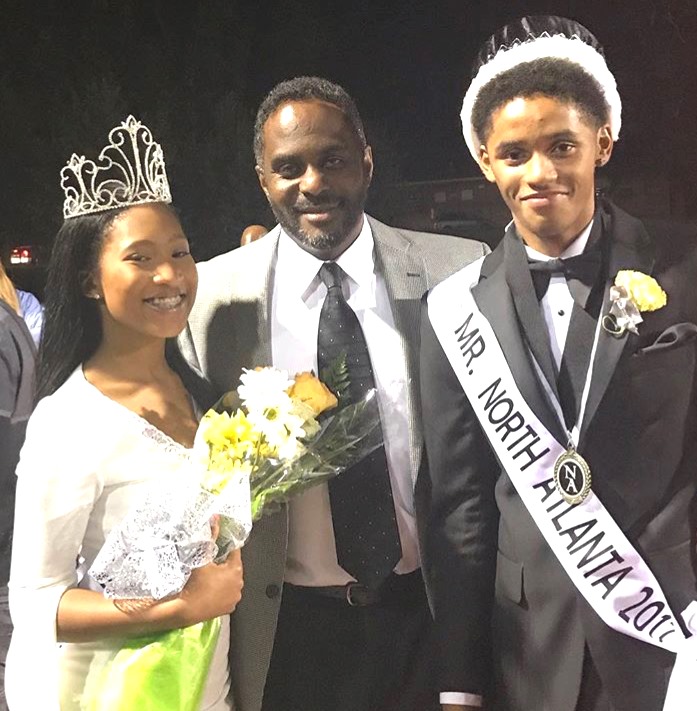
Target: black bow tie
{"points": [[583, 269]]}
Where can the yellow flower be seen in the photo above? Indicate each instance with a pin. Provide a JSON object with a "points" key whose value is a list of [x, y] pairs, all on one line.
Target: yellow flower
{"points": [[642, 289], [309, 389], [241, 428], [222, 430], [215, 480], [215, 426]]}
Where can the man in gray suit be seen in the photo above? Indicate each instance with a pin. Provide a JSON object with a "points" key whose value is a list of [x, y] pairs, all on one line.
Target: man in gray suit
{"points": [[308, 633]]}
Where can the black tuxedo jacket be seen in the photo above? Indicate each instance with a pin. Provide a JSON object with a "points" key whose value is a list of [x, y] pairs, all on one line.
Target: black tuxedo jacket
{"points": [[511, 624]]}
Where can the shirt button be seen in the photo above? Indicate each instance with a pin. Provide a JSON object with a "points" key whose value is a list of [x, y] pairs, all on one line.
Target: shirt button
{"points": [[561, 312], [272, 591]]}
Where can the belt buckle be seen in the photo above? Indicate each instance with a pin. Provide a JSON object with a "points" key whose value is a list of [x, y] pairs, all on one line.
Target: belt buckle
{"points": [[349, 593]]}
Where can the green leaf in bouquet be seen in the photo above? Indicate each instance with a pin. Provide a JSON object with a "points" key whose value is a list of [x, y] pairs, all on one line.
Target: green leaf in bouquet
{"points": [[349, 435], [335, 376]]}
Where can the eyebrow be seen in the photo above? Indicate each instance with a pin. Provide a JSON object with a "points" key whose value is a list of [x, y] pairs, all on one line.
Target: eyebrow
{"points": [[507, 146], [564, 135], [290, 157], [145, 241], [559, 136], [283, 158]]}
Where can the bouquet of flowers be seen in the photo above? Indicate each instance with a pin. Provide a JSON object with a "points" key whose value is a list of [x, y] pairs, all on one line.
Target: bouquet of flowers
{"points": [[258, 447]]}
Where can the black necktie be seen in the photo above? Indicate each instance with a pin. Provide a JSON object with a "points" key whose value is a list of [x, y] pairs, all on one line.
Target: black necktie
{"points": [[363, 514], [580, 271]]}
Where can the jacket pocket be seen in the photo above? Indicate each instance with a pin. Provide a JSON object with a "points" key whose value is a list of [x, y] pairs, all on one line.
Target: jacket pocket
{"points": [[675, 356], [674, 338]]}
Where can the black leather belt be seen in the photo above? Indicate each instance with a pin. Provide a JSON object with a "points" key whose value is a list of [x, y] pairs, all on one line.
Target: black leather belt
{"points": [[396, 588]]}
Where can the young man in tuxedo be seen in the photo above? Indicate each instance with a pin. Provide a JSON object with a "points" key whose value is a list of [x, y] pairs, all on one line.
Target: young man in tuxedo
{"points": [[334, 613], [558, 387]]}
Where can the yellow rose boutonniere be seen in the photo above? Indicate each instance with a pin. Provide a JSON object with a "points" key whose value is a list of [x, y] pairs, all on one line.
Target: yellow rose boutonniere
{"points": [[632, 293], [642, 289], [308, 388]]}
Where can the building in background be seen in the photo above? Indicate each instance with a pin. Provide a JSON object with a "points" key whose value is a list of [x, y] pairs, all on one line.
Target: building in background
{"points": [[472, 207]]}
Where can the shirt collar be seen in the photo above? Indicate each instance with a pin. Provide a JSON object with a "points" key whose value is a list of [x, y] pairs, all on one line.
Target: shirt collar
{"points": [[577, 247], [298, 270], [358, 260]]}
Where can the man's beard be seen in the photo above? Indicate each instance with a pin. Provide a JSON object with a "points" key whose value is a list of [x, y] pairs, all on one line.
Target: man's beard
{"points": [[289, 220]]}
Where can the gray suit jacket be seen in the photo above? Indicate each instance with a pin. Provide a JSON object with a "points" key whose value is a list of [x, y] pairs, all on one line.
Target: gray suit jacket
{"points": [[230, 328]]}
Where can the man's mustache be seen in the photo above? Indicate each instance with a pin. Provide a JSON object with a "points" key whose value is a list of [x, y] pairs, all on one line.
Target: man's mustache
{"points": [[328, 202]]}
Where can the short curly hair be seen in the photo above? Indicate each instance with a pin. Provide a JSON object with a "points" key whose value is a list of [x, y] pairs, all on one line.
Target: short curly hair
{"points": [[305, 89], [557, 78]]}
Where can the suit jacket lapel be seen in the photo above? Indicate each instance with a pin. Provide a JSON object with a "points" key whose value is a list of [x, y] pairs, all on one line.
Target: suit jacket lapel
{"points": [[406, 281], [262, 352], [527, 307], [494, 298], [630, 247]]}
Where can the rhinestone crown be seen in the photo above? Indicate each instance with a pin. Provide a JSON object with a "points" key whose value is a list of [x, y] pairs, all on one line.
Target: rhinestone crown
{"points": [[130, 170]]}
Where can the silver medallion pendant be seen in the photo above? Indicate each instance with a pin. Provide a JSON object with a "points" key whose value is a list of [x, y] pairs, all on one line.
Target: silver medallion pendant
{"points": [[572, 477]]}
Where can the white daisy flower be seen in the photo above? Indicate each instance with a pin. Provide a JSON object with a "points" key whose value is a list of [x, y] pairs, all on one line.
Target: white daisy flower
{"points": [[265, 388]]}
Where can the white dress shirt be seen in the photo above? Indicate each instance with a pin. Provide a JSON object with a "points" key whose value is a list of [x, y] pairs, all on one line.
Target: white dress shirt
{"points": [[298, 295], [556, 307], [557, 302]]}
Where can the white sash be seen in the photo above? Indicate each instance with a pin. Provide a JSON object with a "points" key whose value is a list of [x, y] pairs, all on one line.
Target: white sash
{"points": [[595, 553]]}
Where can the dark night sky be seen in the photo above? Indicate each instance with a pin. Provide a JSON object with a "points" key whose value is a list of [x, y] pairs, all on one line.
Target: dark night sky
{"points": [[195, 73]]}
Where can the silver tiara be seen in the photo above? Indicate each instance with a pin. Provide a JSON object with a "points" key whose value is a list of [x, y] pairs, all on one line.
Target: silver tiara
{"points": [[130, 170]]}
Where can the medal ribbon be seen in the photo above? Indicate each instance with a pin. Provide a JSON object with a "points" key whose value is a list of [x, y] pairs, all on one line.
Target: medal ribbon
{"points": [[574, 434], [600, 560]]}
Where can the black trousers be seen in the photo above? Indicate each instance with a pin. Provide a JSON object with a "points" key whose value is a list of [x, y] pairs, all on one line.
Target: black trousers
{"points": [[330, 655]]}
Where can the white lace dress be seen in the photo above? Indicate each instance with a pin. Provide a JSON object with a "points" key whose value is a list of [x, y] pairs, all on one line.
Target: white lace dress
{"points": [[85, 461]]}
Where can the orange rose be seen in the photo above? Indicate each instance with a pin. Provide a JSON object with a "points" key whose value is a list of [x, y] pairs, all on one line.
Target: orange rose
{"points": [[308, 388]]}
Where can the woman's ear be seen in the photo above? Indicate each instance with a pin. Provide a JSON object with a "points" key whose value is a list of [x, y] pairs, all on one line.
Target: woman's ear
{"points": [[89, 287]]}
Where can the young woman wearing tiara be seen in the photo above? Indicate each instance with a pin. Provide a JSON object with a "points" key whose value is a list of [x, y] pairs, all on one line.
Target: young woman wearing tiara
{"points": [[113, 415]]}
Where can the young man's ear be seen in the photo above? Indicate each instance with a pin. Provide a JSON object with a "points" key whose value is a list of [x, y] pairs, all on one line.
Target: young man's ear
{"points": [[485, 164], [604, 146]]}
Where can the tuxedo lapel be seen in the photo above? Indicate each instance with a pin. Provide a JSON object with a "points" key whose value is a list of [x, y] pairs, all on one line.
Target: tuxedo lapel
{"points": [[406, 281], [527, 307], [630, 247], [495, 301]]}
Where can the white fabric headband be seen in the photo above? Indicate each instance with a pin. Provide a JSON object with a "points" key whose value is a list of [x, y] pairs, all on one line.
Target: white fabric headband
{"points": [[556, 46]]}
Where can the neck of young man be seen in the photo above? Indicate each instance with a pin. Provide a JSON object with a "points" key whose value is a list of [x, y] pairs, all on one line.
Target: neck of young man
{"points": [[551, 245]]}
